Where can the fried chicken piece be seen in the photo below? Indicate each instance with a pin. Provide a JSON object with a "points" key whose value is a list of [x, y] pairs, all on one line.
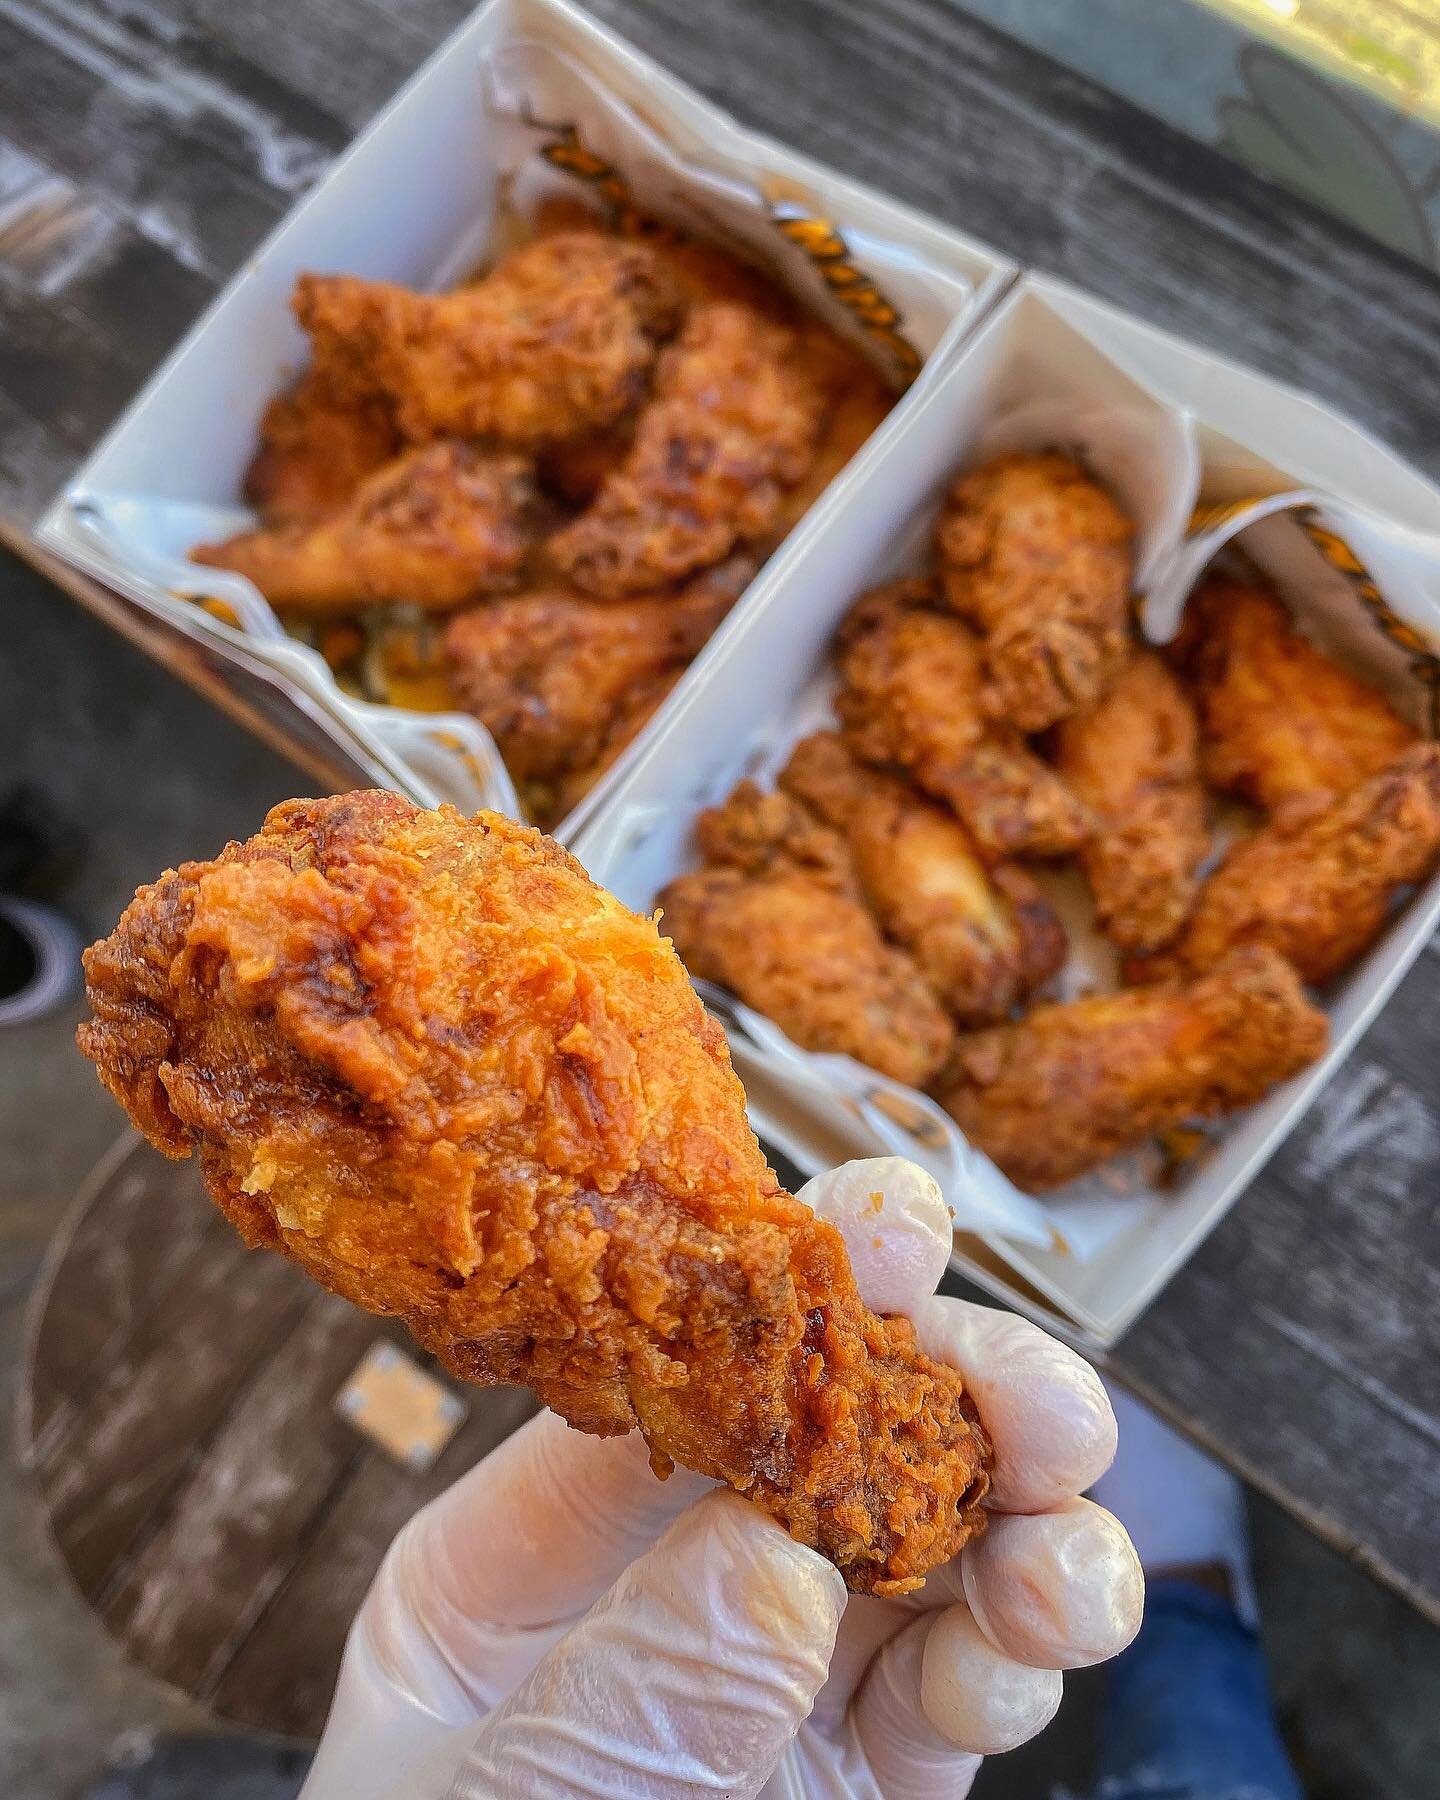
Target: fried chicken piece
{"points": [[859, 404], [780, 922], [732, 423], [316, 447], [1281, 721], [550, 672], [1317, 884], [432, 1062], [981, 937], [911, 696], [1036, 555], [578, 468], [636, 713], [1053, 1096], [438, 527], [1133, 758], [559, 339]]}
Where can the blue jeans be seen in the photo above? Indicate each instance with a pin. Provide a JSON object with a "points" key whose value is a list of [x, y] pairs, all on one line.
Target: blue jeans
{"points": [[1187, 1713]]}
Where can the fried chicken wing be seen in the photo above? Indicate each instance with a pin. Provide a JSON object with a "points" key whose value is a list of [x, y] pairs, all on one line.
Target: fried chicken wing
{"points": [[981, 937], [1036, 555], [316, 447], [1317, 885], [1133, 758], [1281, 721], [778, 919], [438, 527], [559, 339], [1051, 1097], [911, 697], [458, 1083], [550, 672], [732, 423]]}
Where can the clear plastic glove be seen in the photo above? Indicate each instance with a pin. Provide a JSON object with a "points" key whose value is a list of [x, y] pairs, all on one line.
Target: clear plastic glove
{"points": [[716, 1655]]}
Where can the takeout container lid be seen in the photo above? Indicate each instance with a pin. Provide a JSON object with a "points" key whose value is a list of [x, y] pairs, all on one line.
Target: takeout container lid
{"points": [[414, 199], [1253, 439]]}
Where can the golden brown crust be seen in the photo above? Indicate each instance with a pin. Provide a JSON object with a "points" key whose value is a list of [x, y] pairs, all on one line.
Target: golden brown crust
{"points": [[778, 919], [550, 673], [1281, 721], [438, 527], [732, 423], [1316, 884], [1069, 1086], [1036, 555], [911, 696], [1133, 757], [316, 447], [429, 1060], [558, 339], [982, 937]]}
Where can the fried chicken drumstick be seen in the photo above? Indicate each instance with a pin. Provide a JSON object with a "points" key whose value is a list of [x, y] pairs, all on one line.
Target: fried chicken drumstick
{"points": [[457, 1082]]}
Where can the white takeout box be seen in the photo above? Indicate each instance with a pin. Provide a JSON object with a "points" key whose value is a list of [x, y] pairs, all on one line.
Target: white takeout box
{"points": [[1165, 425], [415, 199]]}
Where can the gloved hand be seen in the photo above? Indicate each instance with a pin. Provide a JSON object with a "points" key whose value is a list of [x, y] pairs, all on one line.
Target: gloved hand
{"points": [[717, 1655]]}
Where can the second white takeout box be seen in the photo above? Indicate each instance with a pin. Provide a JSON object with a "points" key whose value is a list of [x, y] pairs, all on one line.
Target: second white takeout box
{"points": [[1201, 453]]}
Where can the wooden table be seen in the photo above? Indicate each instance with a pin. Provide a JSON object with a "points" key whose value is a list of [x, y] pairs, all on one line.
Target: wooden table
{"points": [[199, 1481], [151, 146]]}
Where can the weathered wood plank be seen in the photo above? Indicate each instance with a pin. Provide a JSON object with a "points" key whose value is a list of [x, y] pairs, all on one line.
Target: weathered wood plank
{"points": [[1302, 1342], [142, 1417], [208, 1500], [133, 1251], [231, 1530], [282, 1676]]}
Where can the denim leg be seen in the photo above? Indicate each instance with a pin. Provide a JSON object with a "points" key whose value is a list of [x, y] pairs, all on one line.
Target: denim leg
{"points": [[1188, 1714]]}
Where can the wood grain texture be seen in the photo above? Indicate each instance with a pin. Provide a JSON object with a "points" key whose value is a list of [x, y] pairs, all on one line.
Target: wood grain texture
{"points": [[149, 145], [207, 1499]]}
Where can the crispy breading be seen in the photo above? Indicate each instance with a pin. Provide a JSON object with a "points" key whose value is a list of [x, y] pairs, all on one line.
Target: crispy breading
{"points": [[549, 672], [911, 697], [639, 707], [1133, 757], [1280, 720], [1037, 556], [1317, 883], [982, 937], [858, 405], [1068, 1086], [559, 339], [458, 1083], [733, 422], [438, 527], [778, 919], [316, 447]]}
